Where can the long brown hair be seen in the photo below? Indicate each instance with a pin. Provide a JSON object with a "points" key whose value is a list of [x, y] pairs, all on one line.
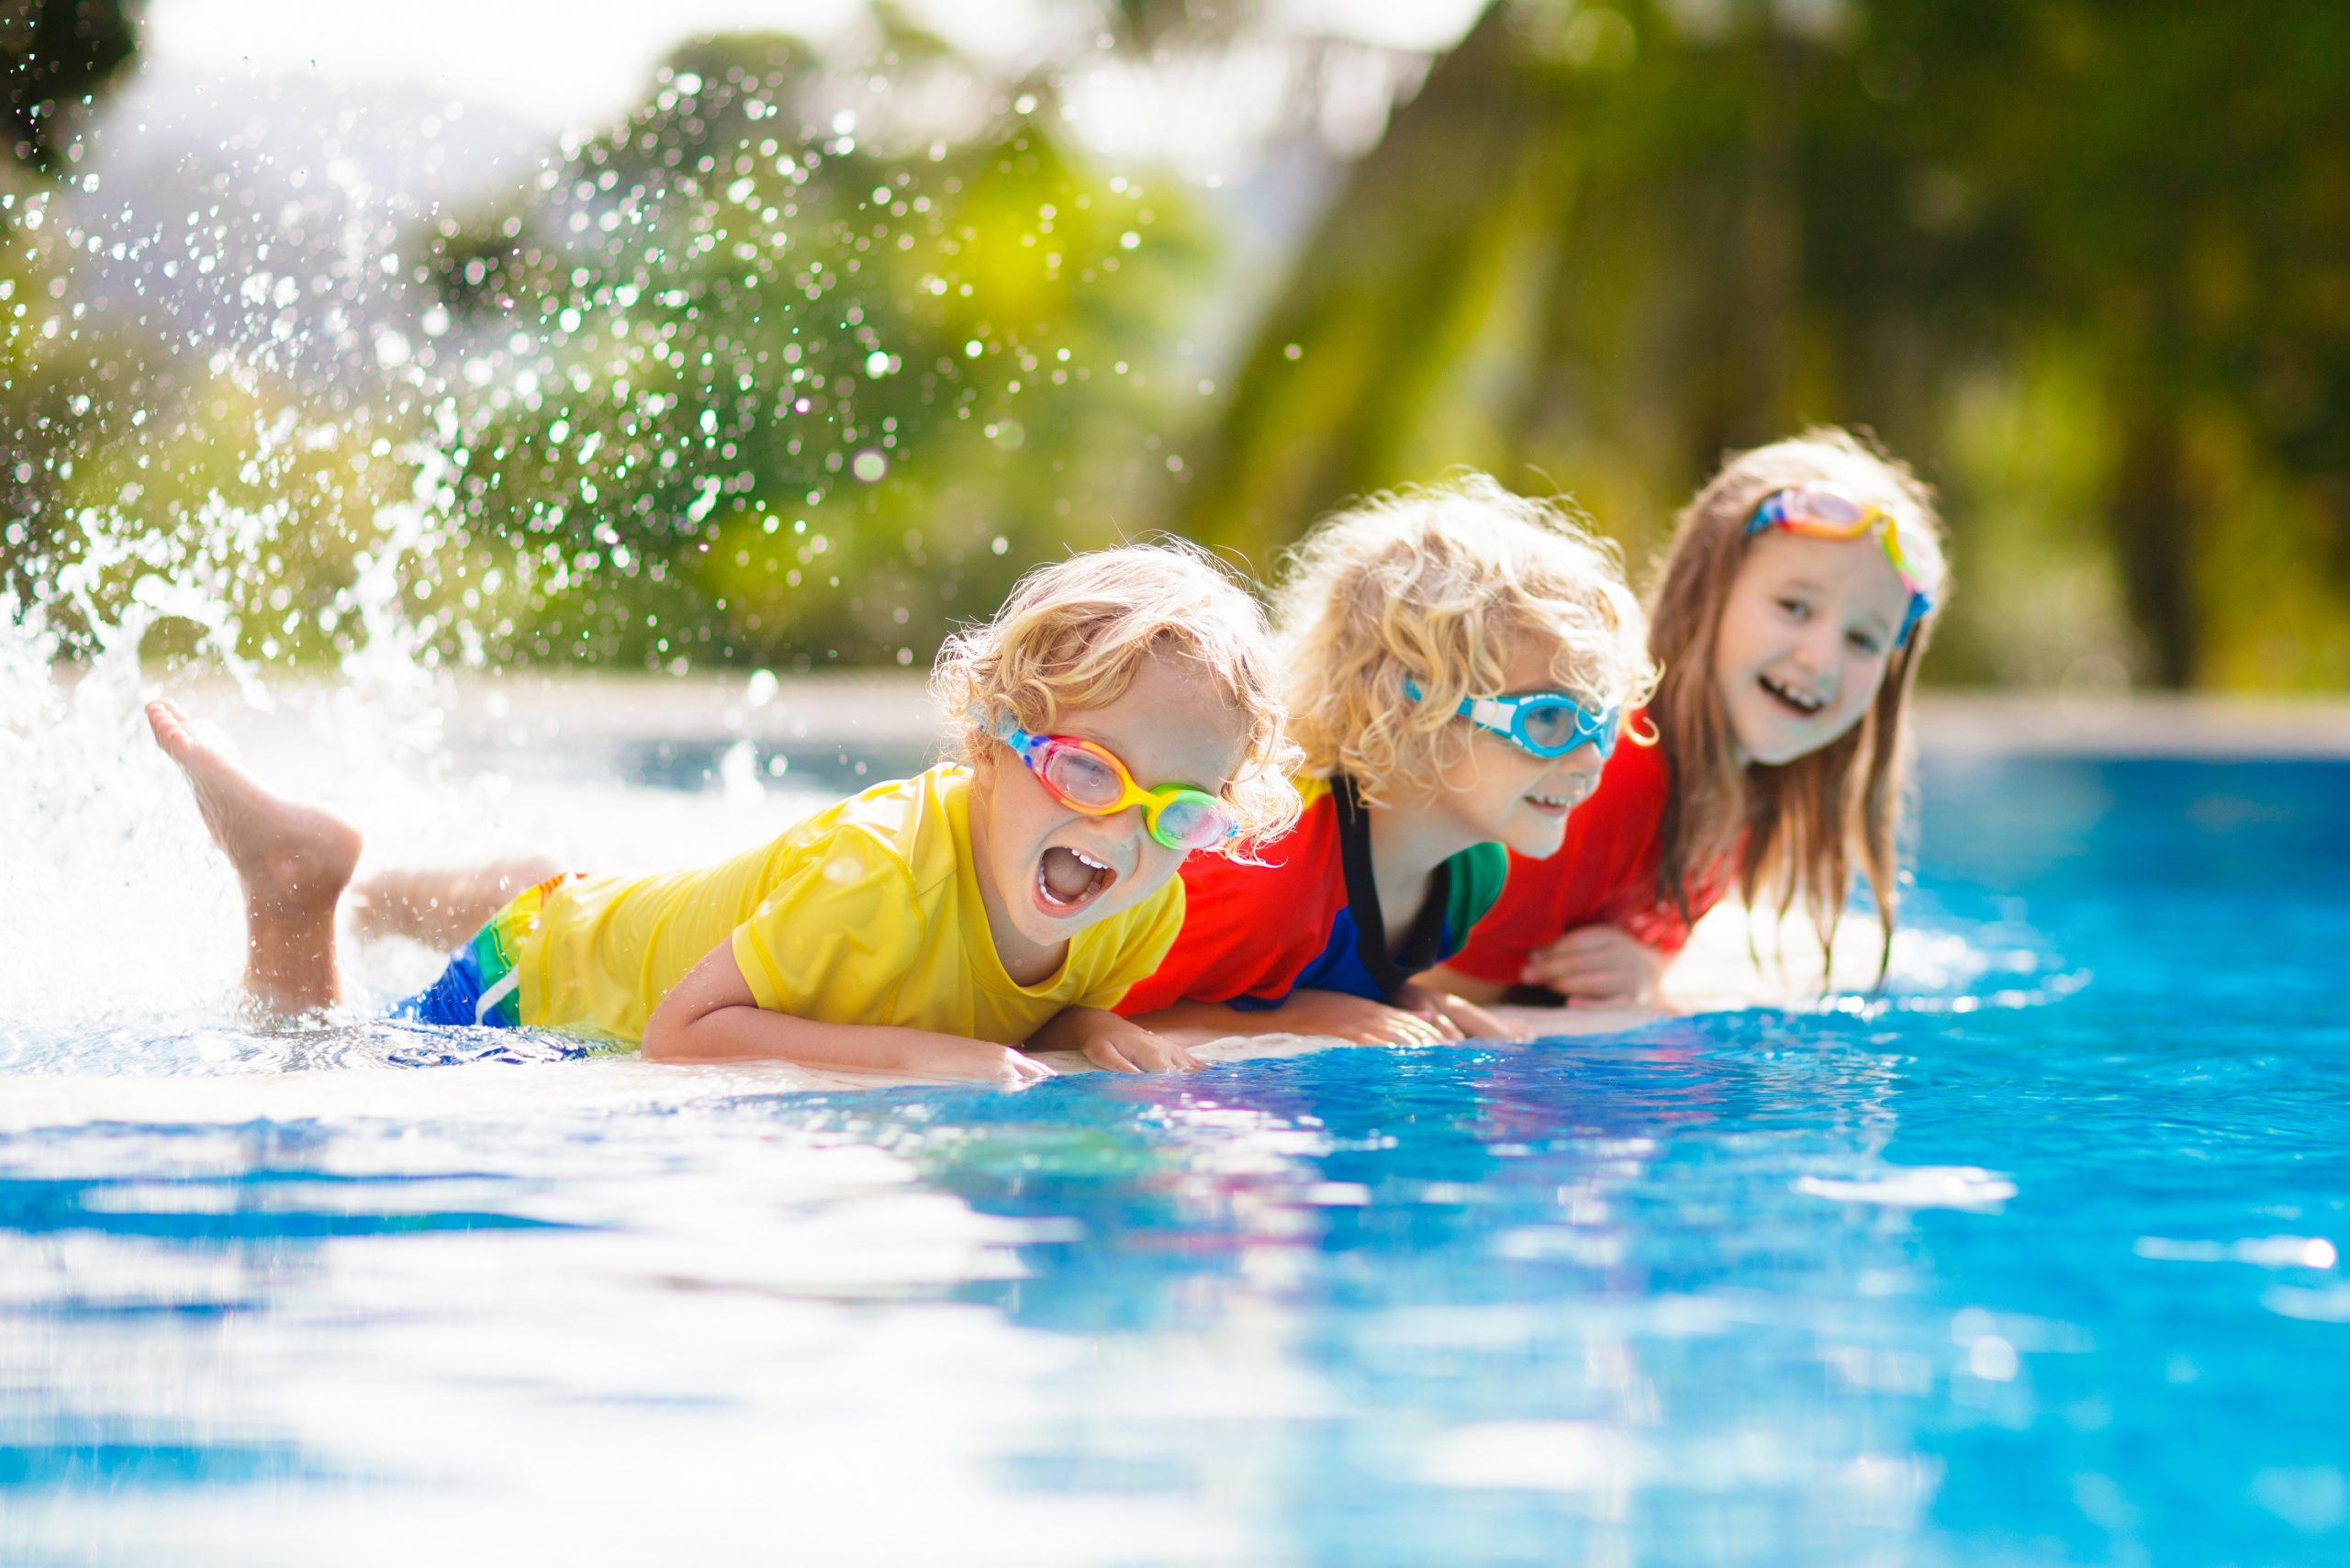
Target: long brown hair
{"points": [[1794, 831]]}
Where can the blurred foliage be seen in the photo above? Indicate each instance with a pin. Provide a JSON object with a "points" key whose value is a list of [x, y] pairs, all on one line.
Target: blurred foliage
{"points": [[138, 469], [244, 516], [54, 55], [797, 372], [2090, 266], [812, 352]]}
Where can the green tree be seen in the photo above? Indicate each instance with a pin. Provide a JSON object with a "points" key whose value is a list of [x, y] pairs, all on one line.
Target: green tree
{"points": [[790, 372], [1605, 242]]}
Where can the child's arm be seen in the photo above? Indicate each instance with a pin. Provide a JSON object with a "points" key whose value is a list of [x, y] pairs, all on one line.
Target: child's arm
{"points": [[1450, 981], [711, 1016], [1470, 1020], [1332, 1013], [1109, 1041]]}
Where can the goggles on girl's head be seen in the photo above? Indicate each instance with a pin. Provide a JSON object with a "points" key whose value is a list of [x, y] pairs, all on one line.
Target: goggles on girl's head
{"points": [[1086, 777], [1819, 512], [1547, 725]]}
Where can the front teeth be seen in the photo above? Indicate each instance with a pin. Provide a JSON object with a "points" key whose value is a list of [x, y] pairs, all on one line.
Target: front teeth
{"points": [[1807, 703], [1088, 860]]}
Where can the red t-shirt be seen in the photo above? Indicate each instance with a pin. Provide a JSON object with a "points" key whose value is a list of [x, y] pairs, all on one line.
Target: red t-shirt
{"points": [[1605, 874], [1308, 917]]}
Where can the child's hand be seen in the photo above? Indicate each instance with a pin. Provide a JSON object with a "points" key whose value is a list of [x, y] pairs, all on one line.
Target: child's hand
{"points": [[977, 1060], [1362, 1020], [1112, 1043], [1466, 1017], [1598, 965], [1130, 1048]]}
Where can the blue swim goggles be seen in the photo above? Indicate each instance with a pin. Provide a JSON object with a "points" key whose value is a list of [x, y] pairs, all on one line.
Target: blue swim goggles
{"points": [[1547, 725]]}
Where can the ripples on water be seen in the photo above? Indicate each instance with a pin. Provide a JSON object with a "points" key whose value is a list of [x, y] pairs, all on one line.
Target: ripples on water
{"points": [[2037, 1261]]}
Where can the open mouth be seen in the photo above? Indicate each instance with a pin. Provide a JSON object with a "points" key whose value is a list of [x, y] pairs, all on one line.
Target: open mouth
{"points": [[1554, 805], [1800, 702], [1067, 879]]}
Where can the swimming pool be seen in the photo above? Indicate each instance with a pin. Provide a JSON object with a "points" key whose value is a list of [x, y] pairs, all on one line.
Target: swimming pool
{"points": [[2038, 1263]]}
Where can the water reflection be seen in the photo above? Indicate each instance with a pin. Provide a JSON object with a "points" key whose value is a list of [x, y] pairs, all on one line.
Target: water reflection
{"points": [[1899, 1279]]}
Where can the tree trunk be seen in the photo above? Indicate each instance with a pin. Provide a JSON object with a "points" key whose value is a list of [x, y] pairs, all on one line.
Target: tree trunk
{"points": [[2153, 523]]}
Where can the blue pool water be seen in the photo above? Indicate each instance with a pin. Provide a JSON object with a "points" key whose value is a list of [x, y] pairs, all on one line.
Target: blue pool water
{"points": [[2038, 1263]]}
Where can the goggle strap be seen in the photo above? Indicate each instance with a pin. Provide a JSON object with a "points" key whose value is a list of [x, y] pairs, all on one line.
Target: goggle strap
{"points": [[1492, 712]]}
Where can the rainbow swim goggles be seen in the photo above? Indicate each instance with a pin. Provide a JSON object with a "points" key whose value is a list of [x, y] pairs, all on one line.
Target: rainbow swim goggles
{"points": [[1816, 512], [1087, 779], [1541, 723]]}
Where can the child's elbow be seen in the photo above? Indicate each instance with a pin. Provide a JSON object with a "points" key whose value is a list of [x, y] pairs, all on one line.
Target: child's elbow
{"points": [[665, 1036]]}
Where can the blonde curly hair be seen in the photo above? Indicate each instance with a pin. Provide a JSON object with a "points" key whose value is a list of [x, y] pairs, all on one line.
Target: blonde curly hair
{"points": [[1074, 634], [1443, 585]]}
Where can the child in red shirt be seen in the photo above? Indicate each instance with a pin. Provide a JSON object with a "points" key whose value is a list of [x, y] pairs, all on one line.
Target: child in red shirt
{"points": [[1454, 661], [1794, 605]]}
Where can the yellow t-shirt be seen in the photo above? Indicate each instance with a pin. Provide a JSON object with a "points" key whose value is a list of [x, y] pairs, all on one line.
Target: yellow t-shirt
{"points": [[868, 912]]}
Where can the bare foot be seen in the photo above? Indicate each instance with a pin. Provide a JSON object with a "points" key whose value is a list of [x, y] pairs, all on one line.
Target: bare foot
{"points": [[293, 860]]}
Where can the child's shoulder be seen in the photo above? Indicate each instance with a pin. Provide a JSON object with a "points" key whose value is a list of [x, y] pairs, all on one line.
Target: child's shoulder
{"points": [[921, 825], [1309, 850]]}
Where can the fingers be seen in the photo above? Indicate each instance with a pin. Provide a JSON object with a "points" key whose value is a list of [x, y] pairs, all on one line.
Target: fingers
{"points": [[1397, 1028], [1108, 1057], [1155, 1053], [1602, 948], [1472, 1019], [1584, 939], [1019, 1067], [1582, 974], [1159, 1055]]}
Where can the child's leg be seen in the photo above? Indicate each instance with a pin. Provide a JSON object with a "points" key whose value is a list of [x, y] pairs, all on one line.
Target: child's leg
{"points": [[442, 908], [293, 860]]}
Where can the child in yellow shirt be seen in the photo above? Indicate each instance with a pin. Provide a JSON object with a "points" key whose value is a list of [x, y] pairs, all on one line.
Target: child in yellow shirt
{"points": [[1117, 714]]}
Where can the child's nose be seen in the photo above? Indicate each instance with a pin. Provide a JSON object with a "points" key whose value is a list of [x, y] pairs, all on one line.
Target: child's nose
{"points": [[1817, 650], [1119, 828], [1578, 771]]}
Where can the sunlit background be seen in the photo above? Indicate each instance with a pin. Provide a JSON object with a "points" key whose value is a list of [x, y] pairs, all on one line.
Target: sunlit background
{"points": [[363, 354], [720, 332]]}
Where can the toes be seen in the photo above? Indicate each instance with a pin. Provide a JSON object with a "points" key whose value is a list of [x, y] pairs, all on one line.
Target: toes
{"points": [[167, 725]]}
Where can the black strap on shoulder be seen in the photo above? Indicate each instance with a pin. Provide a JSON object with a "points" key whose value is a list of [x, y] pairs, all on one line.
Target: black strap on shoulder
{"points": [[1424, 944]]}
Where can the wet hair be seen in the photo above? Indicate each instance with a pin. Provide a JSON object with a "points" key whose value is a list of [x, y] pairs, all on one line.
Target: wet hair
{"points": [[1075, 633], [1443, 585], [1796, 829]]}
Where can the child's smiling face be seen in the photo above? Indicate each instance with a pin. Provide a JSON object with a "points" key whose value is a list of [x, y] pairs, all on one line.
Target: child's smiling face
{"points": [[1504, 793], [1803, 641], [1046, 871]]}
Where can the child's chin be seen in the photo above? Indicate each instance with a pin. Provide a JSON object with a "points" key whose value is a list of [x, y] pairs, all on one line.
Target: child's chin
{"points": [[1770, 740], [1538, 840]]}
